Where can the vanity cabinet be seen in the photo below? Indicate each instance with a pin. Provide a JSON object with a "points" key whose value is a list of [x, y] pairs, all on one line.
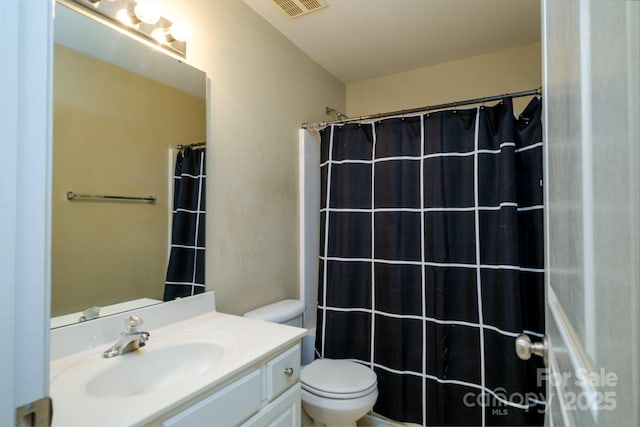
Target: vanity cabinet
{"points": [[265, 395], [200, 368]]}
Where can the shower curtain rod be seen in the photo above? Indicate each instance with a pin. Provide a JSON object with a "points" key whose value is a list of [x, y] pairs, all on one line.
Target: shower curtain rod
{"points": [[195, 144], [320, 125]]}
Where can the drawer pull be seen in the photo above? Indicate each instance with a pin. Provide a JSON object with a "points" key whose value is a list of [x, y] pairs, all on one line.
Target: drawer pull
{"points": [[288, 372]]}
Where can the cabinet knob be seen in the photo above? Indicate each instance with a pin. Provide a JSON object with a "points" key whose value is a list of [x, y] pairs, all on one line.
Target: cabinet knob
{"points": [[288, 372]]}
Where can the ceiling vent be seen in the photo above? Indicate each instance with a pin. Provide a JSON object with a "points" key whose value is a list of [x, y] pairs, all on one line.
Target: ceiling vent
{"points": [[297, 8]]}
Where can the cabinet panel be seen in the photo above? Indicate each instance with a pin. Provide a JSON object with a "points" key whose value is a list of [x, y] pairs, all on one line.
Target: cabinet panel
{"points": [[227, 407]]}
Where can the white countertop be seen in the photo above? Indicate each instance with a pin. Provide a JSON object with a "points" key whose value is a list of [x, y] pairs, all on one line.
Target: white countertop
{"points": [[245, 342]]}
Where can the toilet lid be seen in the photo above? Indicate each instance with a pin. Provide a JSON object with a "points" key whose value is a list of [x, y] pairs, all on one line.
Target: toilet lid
{"points": [[338, 378]]}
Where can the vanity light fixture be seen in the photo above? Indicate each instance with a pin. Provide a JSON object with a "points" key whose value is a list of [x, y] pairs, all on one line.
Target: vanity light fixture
{"points": [[176, 32], [95, 3], [141, 18]]}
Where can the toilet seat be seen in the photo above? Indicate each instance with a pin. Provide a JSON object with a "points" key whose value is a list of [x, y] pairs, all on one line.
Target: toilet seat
{"points": [[330, 395], [338, 379]]}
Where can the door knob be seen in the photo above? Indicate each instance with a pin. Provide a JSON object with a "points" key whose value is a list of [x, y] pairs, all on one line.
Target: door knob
{"points": [[525, 348]]}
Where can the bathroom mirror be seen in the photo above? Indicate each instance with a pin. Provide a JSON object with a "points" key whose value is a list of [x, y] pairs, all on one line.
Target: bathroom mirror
{"points": [[121, 108]]}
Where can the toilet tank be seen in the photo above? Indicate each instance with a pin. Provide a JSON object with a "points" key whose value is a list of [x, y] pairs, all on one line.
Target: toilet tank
{"points": [[286, 312]]}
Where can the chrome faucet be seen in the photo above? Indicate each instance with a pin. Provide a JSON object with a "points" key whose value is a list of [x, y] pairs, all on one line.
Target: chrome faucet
{"points": [[130, 340]]}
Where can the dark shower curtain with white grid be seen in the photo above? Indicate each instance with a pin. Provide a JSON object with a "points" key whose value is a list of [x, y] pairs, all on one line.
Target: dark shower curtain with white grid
{"points": [[431, 261], [185, 273]]}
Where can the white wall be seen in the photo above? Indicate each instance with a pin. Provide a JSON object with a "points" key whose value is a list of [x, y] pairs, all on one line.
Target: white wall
{"points": [[262, 89], [505, 71]]}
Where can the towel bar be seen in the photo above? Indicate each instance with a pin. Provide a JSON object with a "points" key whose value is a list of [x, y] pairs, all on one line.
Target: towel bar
{"points": [[71, 196]]}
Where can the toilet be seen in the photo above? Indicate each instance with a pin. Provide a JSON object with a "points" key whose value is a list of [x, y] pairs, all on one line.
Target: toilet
{"points": [[334, 392]]}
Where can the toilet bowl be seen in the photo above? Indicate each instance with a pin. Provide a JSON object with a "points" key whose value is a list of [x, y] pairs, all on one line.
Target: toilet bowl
{"points": [[337, 392], [334, 392]]}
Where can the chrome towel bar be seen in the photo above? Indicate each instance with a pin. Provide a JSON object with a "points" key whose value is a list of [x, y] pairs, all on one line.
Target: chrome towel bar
{"points": [[71, 196]]}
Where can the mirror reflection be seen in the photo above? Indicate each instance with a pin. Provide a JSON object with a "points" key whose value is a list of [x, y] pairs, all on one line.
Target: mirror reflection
{"points": [[121, 109]]}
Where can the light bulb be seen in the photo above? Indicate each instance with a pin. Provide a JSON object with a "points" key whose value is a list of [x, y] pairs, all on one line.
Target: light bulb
{"points": [[181, 31], [125, 17], [146, 12], [160, 35]]}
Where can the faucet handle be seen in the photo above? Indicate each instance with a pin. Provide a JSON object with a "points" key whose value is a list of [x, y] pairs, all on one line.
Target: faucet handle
{"points": [[132, 322]]}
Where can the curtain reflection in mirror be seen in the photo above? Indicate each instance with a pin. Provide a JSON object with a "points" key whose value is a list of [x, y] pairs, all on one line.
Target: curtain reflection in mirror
{"points": [[185, 273]]}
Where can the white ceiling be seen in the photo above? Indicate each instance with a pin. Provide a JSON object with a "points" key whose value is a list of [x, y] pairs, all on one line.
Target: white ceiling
{"points": [[361, 39]]}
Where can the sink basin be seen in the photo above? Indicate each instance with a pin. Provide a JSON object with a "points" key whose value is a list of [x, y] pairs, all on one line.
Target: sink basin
{"points": [[165, 361], [151, 369]]}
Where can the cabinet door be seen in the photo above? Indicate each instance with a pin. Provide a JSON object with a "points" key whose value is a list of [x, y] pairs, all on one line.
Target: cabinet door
{"points": [[282, 412], [289, 418]]}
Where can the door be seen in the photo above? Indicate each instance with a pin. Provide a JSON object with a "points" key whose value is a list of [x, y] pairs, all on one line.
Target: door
{"points": [[591, 56], [25, 135]]}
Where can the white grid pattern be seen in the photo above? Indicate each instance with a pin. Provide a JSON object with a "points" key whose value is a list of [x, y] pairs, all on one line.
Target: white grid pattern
{"points": [[478, 263], [478, 266], [437, 264], [419, 210], [194, 284], [423, 156], [326, 239], [373, 246], [423, 279]]}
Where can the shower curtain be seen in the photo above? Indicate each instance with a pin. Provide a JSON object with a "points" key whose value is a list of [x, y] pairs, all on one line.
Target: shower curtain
{"points": [[431, 261], [185, 272]]}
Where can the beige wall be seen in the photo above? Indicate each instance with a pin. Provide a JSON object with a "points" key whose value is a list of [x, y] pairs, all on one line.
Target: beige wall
{"points": [[500, 72], [262, 89], [112, 132]]}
